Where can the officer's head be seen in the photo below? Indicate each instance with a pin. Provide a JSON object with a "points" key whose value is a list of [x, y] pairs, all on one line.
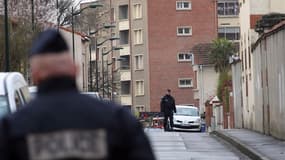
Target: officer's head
{"points": [[168, 91], [50, 57]]}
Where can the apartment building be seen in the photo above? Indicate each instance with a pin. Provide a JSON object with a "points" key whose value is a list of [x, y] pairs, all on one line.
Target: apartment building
{"points": [[250, 12], [228, 27], [228, 20], [157, 38]]}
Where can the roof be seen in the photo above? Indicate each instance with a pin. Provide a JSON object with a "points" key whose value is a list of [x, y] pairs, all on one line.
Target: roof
{"points": [[201, 53], [276, 28], [52, 25]]}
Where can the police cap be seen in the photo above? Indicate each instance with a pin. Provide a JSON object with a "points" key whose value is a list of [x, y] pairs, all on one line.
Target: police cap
{"points": [[48, 41]]}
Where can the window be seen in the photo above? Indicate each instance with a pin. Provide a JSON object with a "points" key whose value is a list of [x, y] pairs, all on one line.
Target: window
{"points": [[125, 62], [185, 56], [185, 83], [183, 5], [139, 88], [139, 62], [4, 106], [124, 37], [228, 8], [184, 31], [138, 37], [125, 87], [140, 108], [230, 33], [137, 11], [123, 12], [18, 101]]}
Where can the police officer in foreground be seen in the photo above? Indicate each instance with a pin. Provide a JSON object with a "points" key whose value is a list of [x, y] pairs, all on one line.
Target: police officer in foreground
{"points": [[167, 107], [63, 124]]}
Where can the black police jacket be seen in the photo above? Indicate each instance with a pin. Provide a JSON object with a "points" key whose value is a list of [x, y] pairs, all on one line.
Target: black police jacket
{"points": [[167, 105], [61, 123]]}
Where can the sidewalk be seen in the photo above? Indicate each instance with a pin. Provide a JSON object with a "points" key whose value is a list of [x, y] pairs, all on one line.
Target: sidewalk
{"points": [[255, 145]]}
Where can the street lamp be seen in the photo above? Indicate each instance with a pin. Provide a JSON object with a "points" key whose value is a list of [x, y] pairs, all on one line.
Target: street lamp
{"points": [[108, 64], [103, 74], [72, 22], [97, 55], [90, 58]]}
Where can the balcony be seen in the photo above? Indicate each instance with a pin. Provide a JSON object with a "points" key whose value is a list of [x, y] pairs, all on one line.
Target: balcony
{"points": [[125, 75], [126, 100], [125, 51], [124, 25]]}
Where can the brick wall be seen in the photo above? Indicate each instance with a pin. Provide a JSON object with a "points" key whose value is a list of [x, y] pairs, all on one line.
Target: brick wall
{"points": [[164, 44]]}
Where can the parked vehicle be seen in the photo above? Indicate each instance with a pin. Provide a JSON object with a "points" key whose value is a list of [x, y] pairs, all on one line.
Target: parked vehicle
{"points": [[93, 94], [187, 118], [33, 91], [14, 92]]}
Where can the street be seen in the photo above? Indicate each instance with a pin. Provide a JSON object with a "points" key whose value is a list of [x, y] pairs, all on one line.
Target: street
{"points": [[190, 146]]}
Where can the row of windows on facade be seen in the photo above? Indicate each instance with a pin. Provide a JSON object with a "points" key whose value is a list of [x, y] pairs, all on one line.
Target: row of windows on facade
{"points": [[230, 33], [137, 9], [138, 35], [226, 8], [124, 64], [139, 86]]}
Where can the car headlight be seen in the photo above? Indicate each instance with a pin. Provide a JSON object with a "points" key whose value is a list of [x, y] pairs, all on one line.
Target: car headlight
{"points": [[198, 120]]}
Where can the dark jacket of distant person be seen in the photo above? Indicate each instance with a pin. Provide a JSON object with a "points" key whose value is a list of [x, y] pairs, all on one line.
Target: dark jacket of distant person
{"points": [[167, 104]]}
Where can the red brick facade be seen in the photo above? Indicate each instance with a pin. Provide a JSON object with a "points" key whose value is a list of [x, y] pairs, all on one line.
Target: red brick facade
{"points": [[253, 20], [164, 45]]}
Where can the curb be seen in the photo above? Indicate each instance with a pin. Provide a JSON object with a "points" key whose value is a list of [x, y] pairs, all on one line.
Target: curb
{"points": [[251, 153]]}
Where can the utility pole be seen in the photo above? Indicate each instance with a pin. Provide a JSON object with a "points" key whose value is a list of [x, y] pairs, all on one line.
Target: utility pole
{"points": [[103, 83], [33, 16], [97, 59], [7, 56], [72, 23]]}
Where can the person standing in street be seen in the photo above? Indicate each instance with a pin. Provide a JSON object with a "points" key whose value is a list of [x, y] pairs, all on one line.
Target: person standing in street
{"points": [[60, 123], [167, 107]]}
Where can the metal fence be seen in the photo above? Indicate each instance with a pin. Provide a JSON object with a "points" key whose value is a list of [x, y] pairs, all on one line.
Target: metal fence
{"points": [[151, 119]]}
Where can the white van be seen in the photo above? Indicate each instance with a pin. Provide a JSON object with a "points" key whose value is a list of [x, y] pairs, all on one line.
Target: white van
{"points": [[14, 92]]}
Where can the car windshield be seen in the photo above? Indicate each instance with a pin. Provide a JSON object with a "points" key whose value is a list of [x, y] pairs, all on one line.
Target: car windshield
{"points": [[4, 107], [186, 111]]}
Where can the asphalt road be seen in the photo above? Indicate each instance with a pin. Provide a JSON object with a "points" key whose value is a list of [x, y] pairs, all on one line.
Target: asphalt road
{"points": [[190, 146]]}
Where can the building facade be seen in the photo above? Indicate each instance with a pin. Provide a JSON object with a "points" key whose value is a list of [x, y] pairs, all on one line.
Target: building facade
{"points": [[269, 79], [81, 52], [157, 41], [228, 20], [250, 12]]}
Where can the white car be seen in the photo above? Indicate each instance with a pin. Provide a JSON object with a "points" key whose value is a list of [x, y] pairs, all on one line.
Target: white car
{"points": [[187, 118], [14, 92], [93, 94]]}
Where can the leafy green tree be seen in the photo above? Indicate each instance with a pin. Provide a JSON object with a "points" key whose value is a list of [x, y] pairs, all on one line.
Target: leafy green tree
{"points": [[221, 50]]}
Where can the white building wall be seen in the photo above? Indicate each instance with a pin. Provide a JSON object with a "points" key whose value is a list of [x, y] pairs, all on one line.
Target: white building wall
{"points": [[247, 94], [276, 83], [78, 53], [237, 94], [277, 6], [270, 84], [255, 104], [260, 6], [207, 81]]}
